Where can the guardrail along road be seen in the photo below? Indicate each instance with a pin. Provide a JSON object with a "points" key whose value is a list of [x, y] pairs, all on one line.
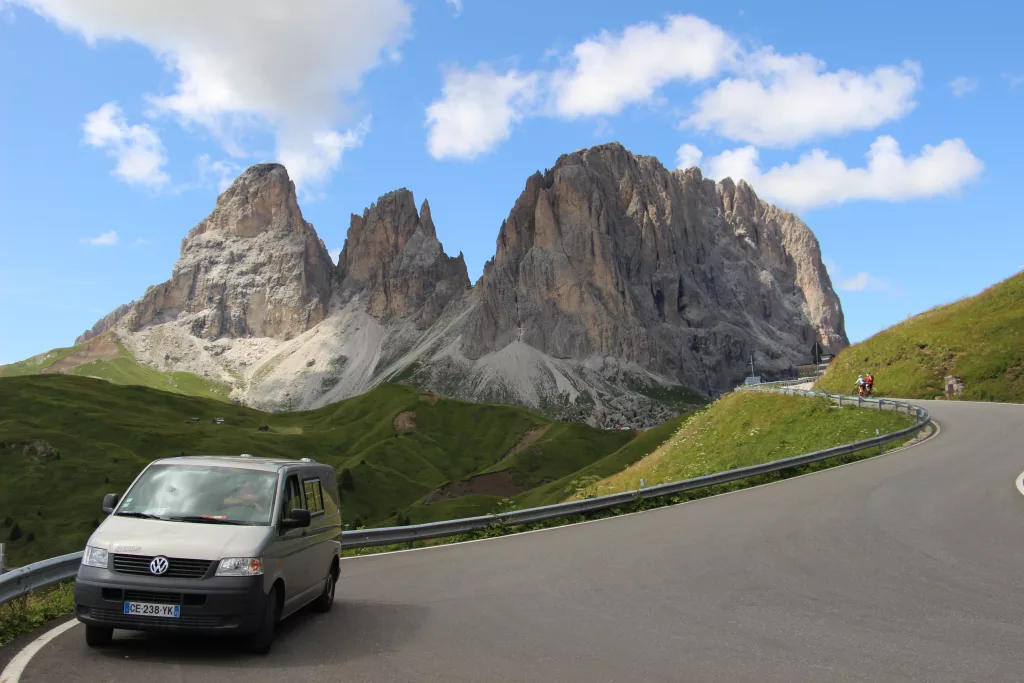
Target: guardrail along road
{"points": [[902, 567]]}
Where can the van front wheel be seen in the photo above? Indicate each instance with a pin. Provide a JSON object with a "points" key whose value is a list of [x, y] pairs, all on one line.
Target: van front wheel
{"points": [[98, 636], [261, 641], [326, 599]]}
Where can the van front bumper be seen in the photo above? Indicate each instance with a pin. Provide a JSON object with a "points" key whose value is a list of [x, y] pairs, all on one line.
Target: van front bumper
{"points": [[220, 604]]}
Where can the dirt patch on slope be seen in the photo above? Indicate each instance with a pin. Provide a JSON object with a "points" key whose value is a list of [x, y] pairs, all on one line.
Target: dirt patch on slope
{"points": [[405, 422], [499, 484], [98, 348], [429, 398], [529, 438]]}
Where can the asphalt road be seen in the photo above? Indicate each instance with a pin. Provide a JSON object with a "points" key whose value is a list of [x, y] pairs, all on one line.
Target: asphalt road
{"points": [[907, 567]]}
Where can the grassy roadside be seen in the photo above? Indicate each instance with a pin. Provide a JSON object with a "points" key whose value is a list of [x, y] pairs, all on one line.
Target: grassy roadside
{"points": [[31, 611], [749, 428], [744, 428], [980, 339], [637, 505]]}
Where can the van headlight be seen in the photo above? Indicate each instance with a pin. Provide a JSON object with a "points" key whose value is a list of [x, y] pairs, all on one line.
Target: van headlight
{"points": [[240, 566], [95, 557]]}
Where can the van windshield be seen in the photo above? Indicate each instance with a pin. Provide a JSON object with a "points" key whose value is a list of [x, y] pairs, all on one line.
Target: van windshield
{"points": [[203, 494]]}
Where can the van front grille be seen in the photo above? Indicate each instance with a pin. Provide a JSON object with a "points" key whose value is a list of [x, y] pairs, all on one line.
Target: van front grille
{"points": [[113, 617], [177, 568]]}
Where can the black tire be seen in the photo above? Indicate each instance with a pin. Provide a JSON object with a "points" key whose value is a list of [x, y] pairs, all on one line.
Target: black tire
{"points": [[326, 599], [261, 641], [98, 636]]}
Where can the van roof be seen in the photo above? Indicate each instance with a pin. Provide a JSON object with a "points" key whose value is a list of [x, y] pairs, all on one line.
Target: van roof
{"points": [[248, 462]]}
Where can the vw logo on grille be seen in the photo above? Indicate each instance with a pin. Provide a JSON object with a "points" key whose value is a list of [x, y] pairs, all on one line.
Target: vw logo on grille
{"points": [[158, 565]]}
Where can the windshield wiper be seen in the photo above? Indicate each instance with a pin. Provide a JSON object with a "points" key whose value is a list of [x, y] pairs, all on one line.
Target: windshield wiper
{"points": [[206, 520], [141, 515]]}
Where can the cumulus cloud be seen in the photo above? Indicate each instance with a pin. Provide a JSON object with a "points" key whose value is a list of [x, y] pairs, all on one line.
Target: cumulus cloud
{"points": [[137, 148], [818, 179], [963, 85], [688, 155], [107, 239], [253, 65], [457, 4], [768, 99], [609, 72], [476, 111], [786, 100]]}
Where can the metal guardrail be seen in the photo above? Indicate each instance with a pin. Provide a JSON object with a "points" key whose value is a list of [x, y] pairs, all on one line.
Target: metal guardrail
{"points": [[19, 581]]}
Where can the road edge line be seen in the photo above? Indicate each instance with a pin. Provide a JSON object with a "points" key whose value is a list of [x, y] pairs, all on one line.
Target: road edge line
{"points": [[16, 667]]}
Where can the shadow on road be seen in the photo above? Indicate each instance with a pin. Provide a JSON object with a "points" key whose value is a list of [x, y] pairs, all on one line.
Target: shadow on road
{"points": [[351, 630]]}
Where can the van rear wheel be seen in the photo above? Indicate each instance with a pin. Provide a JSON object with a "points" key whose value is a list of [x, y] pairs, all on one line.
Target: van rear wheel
{"points": [[98, 636], [261, 641], [326, 599]]}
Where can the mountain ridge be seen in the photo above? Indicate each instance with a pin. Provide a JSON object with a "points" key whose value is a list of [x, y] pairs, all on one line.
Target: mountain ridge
{"points": [[615, 283]]}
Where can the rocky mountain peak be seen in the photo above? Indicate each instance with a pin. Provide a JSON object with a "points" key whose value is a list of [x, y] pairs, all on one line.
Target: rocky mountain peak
{"points": [[392, 253], [261, 199], [609, 254], [252, 268]]}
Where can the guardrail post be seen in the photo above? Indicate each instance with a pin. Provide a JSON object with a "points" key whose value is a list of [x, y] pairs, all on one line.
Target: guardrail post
{"points": [[858, 401], [3, 558], [840, 401]]}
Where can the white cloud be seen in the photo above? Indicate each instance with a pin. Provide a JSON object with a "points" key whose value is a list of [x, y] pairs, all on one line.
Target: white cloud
{"points": [[107, 239], [688, 155], [221, 172], [963, 85], [860, 282], [253, 65], [786, 100], [316, 156], [818, 179], [140, 241], [476, 111], [139, 153], [335, 254], [770, 99], [457, 4], [1014, 81], [610, 72]]}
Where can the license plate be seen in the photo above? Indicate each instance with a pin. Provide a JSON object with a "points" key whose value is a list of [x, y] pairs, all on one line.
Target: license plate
{"points": [[147, 609]]}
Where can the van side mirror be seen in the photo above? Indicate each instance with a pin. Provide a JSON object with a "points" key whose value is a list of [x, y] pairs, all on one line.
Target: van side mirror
{"points": [[299, 519], [109, 503]]}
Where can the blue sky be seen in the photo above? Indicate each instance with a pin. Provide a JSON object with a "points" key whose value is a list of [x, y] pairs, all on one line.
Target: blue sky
{"points": [[121, 120]]}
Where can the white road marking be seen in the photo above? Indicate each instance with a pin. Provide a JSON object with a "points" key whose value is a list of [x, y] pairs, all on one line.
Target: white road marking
{"points": [[16, 667], [1020, 487]]}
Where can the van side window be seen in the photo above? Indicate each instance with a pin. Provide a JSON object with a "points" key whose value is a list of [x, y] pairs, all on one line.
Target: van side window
{"points": [[314, 496], [292, 497], [329, 489]]}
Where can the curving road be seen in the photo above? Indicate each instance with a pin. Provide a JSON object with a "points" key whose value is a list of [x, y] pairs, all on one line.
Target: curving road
{"points": [[908, 567]]}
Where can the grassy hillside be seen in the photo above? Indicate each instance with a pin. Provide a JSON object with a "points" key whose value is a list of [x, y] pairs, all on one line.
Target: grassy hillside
{"points": [[746, 428], [104, 357], [66, 440], [980, 339]]}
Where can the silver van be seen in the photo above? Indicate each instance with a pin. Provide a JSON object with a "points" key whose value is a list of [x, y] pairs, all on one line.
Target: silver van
{"points": [[214, 544]]}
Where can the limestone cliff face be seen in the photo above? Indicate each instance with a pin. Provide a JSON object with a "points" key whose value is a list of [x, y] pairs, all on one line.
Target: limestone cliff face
{"points": [[393, 254], [252, 268], [609, 254]]}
